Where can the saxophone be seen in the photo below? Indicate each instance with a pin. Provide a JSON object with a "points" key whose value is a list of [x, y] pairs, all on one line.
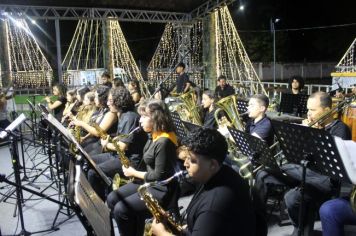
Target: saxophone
{"points": [[125, 161], [156, 210]]}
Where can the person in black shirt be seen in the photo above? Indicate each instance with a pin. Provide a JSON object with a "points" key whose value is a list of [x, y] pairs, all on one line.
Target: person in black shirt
{"points": [[209, 110], [222, 204], [159, 159], [57, 106], [296, 85], [223, 89], [182, 83], [119, 101], [319, 187], [259, 124], [105, 79]]}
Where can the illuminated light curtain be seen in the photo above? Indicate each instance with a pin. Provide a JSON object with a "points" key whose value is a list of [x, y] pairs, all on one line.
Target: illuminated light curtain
{"points": [[28, 66]]}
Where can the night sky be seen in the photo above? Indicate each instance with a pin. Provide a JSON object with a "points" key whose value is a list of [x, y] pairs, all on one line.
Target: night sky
{"points": [[293, 43]]}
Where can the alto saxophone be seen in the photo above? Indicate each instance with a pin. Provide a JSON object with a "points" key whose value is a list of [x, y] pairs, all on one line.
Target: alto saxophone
{"points": [[117, 180], [156, 210]]}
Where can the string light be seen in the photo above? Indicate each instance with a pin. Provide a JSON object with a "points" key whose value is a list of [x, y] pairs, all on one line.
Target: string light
{"points": [[28, 66]]}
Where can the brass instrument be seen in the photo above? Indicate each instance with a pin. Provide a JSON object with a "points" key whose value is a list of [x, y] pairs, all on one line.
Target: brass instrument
{"points": [[117, 180], [189, 111], [156, 210], [229, 106]]}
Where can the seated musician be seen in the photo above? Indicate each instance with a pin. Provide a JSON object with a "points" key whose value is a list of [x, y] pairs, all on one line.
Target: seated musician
{"points": [[81, 93], [134, 90], [105, 79], [222, 204], [69, 107], [259, 124], [103, 117], [209, 110], [121, 103], [223, 89], [58, 105], [296, 85], [319, 187], [159, 158]]}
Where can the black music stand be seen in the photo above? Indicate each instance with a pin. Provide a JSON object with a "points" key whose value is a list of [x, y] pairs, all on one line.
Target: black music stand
{"points": [[92, 211], [311, 148], [190, 126], [241, 105], [294, 104], [256, 149], [179, 126]]}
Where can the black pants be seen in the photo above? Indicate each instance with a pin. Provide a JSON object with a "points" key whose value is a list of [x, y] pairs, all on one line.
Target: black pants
{"points": [[129, 211], [110, 164], [92, 146], [318, 189]]}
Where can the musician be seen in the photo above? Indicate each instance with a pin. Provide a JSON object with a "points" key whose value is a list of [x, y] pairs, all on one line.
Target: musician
{"points": [[106, 119], [182, 84], [259, 124], [105, 80], [319, 187], [222, 204], [296, 85], [81, 93], [223, 89], [134, 89], [209, 110], [159, 157], [71, 102], [58, 105], [120, 102], [4, 121]]}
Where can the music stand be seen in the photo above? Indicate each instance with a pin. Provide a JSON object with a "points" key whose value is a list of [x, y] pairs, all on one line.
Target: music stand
{"points": [[179, 126], [92, 211], [241, 105], [190, 126], [294, 103], [253, 147], [312, 148]]}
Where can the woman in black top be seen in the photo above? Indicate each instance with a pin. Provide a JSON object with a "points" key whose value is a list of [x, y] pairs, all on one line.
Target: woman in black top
{"points": [[222, 204], [159, 157], [208, 101], [106, 119], [58, 105]]}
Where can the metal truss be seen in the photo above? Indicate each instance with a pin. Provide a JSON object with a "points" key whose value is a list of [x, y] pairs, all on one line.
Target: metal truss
{"points": [[77, 13], [207, 7]]}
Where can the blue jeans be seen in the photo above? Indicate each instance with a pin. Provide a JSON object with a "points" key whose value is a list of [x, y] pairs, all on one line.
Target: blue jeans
{"points": [[334, 214]]}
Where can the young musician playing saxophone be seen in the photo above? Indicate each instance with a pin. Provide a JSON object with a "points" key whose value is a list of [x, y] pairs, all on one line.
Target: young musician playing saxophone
{"points": [[103, 117], [57, 106], [121, 103], [159, 158], [222, 204]]}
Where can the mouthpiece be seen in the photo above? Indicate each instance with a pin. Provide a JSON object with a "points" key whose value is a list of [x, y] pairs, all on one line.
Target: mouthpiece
{"points": [[177, 176]]}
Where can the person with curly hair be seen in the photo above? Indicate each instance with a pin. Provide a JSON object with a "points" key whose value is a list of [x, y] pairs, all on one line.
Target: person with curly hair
{"points": [[159, 160], [121, 103], [222, 205]]}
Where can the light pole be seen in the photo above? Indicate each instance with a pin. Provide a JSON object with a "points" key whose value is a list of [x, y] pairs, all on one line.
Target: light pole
{"points": [[273, 29]]}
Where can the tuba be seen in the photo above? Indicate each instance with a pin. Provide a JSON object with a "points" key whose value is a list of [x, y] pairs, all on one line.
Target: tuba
{"points": [[189, 110], [229, 106], [156, 210]]}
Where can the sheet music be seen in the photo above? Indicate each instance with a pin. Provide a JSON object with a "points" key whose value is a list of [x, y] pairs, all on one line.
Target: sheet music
{"points": [[13, 125], [347, 151]]}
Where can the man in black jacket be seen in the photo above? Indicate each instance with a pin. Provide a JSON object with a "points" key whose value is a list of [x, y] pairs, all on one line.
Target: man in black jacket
{"points": [[222, 204], [223, 89]]}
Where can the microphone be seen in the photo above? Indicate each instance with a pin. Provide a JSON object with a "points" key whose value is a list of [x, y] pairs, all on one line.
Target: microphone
{"points": [[180, 175]]}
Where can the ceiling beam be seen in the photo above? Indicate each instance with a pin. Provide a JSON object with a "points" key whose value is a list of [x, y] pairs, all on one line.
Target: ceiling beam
{"points": [[208, 7], [77, 13]]}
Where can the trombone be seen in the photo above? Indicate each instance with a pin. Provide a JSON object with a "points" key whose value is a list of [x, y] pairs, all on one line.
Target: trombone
{"points": [[321, 119]]}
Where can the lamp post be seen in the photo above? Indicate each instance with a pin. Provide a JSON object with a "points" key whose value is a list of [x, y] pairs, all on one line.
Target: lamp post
{"points": [[273, 30]]}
